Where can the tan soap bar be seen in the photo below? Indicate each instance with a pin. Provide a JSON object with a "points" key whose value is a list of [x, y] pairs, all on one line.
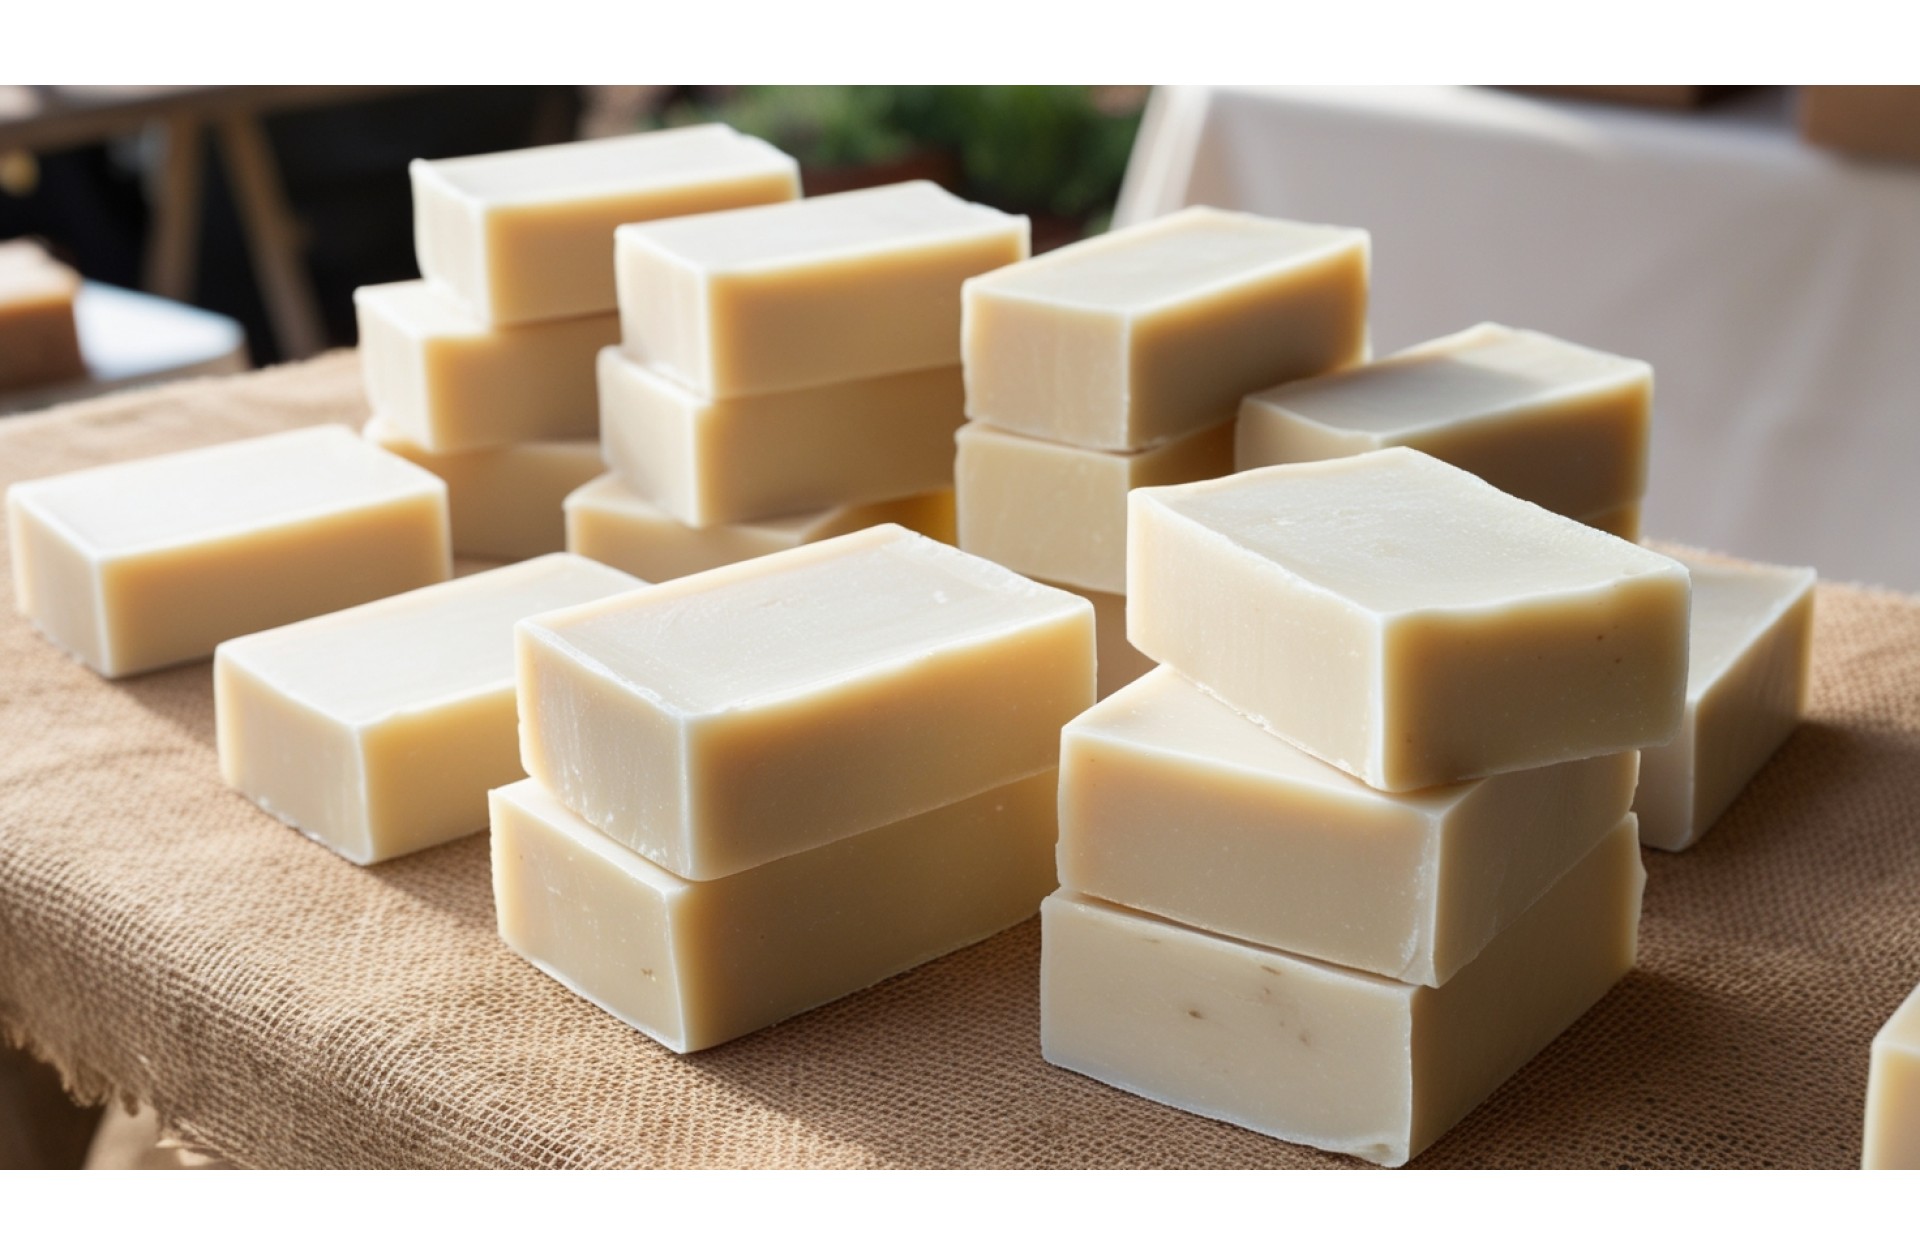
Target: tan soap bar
{"points": [[732, 717], [1324, 1055], [693, 963], [1173, 804], [1120, 664], [146, 563], [1150, 332], [449, 382], [1058, 512], [39, 340], [1622, 521], [1749, 651], [1555, 423], [608, 521], [527, 235], [819, 291], [1406, 622], [1893, 1092], [707, 461], [378, 730]]}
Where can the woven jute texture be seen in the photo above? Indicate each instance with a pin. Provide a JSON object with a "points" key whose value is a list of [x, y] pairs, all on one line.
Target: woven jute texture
{"points": [[163, 940]]}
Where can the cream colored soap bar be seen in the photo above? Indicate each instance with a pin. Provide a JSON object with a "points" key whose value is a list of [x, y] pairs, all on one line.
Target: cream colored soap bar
{"points": [[821, 291], [1120, 664], [378, 730], [527, 235], [1752, 638], [147, 563], [696, 963], [1893, 1092], [1554, 423], [708, 462], [736, 716], [1150, 332], [451, 383], [1324, 1055], [39, 340], [1059, 512], [1406, 622], [1173, 804]]}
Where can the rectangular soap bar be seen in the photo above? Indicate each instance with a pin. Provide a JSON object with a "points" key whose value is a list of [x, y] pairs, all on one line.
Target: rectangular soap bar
{"points": [[526, 235], [1153, 331], [707, 462], [1749, 650], [1551, 422], [693, 963], [1173, 804], [1893, 1092], [146, 563], [378, 730], [1406, 622], [820, 291], [1058, 512], [1324, 1055], [39, 340], [1120, 664], [732, 717]]}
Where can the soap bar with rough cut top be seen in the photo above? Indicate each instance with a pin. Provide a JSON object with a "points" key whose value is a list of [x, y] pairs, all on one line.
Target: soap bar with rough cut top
{"points": [[505, 502], [1893, 1092], [39, 340]]}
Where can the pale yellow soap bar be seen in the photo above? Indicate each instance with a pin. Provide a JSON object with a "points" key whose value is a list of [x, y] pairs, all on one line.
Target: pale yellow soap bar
{"points": [[527, 235], [39, 340], [1324, 1055], [1150, 332], [820, 291], [1173, 804], [147, 563], [693, 963], [378, 730], [708, 462], [1893, 1092], [736, 716], [1406, 622], [1058, 512], [1120, 664]]}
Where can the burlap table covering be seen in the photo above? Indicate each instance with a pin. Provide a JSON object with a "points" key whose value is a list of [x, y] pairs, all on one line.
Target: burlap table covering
{"points": [[161, 939]]}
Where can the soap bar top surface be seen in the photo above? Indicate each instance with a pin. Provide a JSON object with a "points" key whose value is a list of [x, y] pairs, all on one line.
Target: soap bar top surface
{"points": [[1734, 603], [617, 165]]}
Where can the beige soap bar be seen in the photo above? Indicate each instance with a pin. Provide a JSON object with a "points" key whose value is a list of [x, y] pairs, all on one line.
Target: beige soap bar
{"points": [[1120, 664], [1622, 521], [608, 521], [1324, 1055], [526, 235], [1173, 804], [732, 717], [1893, 1092], [1406, 622], [1058, 512], [1157, 330], [378, 730], [1752, 638], [707, 462], [819, 291], [39, 340], [451, 383], [147, 563], [693, 963]]}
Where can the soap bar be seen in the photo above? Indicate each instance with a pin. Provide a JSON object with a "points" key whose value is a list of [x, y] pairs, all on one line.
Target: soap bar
{"points": [[1557, 424], [526, 235], [1622, 521], [1893, 1092], [1173, 804], [1120, 664], [732, 717], [378, 730], [1751, 641], [693, 963], [1150, 332], [820, 291], [504, 502], [39, 340], [1406, 622], [1324, 1055], [450, 383], [1058, 512], [146, 563], [707, 462], [608, 521]]}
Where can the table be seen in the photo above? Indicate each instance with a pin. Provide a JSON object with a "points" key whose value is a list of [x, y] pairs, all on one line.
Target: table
{"points": [[128, 339]]}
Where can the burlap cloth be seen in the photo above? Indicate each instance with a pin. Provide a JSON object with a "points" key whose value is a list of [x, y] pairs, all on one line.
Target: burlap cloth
{"points": [[162, 939]]}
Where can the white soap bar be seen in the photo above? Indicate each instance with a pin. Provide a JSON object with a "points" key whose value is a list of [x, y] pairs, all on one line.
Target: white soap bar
{"points": [[1893, 1092]]}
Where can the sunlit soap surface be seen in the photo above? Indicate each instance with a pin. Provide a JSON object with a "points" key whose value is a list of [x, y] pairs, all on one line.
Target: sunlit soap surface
{"points": [[1406, 622], [146, 563], [1323, 1055], [823, 290], [696, 963], [1893, 1092], [39, 340], [1173, 804], [526, 235], [732, 717], [1157, 330]]}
